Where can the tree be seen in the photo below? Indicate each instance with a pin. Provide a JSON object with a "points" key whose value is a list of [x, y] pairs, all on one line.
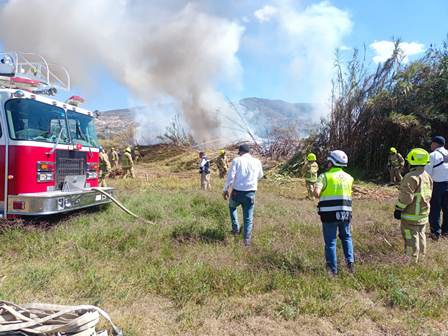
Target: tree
{"points": [[176, 133], [399, 105]]}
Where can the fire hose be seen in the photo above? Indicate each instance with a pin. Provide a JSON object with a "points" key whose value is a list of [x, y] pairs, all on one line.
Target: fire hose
{"points": [[121, 206], [52, 320]]}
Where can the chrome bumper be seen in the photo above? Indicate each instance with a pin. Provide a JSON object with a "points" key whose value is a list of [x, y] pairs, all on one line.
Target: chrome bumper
{"points": [[53, 202]]}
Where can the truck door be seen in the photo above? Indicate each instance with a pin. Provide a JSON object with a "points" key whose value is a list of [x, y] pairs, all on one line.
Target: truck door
{"points": [[3, 97]]}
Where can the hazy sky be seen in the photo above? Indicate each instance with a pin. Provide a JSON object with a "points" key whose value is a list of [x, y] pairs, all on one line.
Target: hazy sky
{"points": [[285, 50]]}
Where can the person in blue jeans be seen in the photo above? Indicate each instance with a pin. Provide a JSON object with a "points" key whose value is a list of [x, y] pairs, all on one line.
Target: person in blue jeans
{"points": [[242, 179], [437, 168], [329, 231], [334, 189], [247, 201]]}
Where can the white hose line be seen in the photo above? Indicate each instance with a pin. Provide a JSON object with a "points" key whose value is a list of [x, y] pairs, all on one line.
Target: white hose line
{"points": [[47, 319], [121, 206]]}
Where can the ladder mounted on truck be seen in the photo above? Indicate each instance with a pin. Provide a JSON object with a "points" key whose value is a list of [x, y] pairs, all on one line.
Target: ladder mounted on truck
{"points": [[32, 72]]}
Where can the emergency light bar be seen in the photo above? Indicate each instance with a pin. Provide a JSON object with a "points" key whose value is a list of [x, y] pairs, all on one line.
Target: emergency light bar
{"points": [[75, 101]]}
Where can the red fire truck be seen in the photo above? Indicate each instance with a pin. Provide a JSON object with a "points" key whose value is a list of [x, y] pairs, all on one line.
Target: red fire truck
{"points": [[48, 149]]}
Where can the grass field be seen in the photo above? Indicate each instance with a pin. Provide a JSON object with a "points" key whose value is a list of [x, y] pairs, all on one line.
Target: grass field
{"points": [[186, 275]]}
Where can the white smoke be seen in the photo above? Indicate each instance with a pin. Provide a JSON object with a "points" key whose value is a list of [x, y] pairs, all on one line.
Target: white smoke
{"points": [[156, 48], [310, 35]]}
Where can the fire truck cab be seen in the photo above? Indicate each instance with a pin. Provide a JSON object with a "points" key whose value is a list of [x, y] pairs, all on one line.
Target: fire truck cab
{"points": [[49, 151]]}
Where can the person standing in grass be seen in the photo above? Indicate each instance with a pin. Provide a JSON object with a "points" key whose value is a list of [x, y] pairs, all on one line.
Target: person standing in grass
{"points": [[395, 164], [105, 167], [310, 170], [204, 171], [334, 189], [413, 204], [114, 158], [438, 170], [222, 164], [128, 164], [240, 188], [137, 154]]}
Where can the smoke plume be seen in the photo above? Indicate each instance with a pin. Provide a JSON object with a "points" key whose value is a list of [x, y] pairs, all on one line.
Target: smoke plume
{"points": [[163, 49]]}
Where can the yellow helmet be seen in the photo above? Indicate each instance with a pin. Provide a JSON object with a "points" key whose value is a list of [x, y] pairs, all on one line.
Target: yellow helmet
{"points": [[418, 157], [311, 157], [393, 150], [222, 151], [128, 149]]}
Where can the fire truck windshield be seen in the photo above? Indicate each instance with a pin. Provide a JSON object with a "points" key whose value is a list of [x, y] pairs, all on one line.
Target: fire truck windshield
{"points": [[82, 129], [32, 120], [36, 121]]}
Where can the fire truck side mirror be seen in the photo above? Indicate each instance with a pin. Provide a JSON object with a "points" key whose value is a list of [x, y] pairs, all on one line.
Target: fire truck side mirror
{"points": [[7, 67]]}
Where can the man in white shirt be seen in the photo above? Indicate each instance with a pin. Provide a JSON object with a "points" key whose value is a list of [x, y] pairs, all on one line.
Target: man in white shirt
{"points": [[241, 186], [438, 169]]}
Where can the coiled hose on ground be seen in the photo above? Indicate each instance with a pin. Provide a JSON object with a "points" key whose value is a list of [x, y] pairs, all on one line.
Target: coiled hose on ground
{"points": [[50, 320]]}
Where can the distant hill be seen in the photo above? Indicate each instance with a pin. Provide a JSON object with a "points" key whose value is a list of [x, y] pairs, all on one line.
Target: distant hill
{"points": [[112, 122], [265, 114], [278, 109]]}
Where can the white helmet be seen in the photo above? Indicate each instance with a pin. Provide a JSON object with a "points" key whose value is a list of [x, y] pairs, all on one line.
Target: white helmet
{"points": [[338, 158]]}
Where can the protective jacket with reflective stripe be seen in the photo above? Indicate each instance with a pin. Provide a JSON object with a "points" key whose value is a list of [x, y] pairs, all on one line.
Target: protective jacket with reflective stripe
{"points": [[114, 156], [127, 160], [396, 160], [335, 202], [415, 196], [104, 162], [310, 170]]}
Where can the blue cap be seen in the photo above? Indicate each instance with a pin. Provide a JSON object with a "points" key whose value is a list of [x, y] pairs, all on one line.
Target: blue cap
{"points": [[439, 140]]}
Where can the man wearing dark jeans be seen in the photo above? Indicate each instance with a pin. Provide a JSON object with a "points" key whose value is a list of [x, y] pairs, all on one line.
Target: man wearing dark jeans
{"points": [[243, 176], [334, 189], [438, 170]]}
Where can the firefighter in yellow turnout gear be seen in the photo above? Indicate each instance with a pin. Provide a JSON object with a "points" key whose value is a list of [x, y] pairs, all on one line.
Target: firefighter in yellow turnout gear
{"points": [[114, 158], [309, 171], [395, 164], [105, 167], [222, 164], [412, 207], [128, 164], [137, 154]]}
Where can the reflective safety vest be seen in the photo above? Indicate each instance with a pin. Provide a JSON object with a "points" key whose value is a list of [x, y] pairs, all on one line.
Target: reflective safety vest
{"points": [[415, 196], [335, 202]]}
